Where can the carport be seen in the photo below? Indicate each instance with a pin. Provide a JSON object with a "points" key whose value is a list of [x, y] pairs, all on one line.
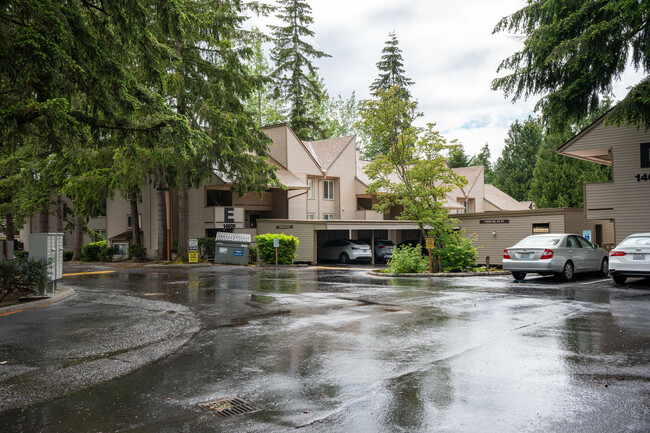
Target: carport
{"points": [[312, 234]]}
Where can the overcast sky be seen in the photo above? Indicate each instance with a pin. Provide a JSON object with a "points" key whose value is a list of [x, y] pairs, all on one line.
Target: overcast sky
{"points": [[449, 51]]}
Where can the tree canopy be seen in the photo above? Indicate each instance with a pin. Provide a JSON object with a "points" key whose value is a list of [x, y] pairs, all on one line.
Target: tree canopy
{"points": [[391, 70], [295, 74], [574, 52]]}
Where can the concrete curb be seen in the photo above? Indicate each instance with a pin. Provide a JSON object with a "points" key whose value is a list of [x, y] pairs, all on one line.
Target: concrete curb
{"points": [[376, 273], [179, 265], [60, 294]]}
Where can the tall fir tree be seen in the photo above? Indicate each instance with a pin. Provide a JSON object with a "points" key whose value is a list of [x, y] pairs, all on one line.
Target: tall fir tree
{"points": [[513, 171], [295, 75], [391, 70], [458, 158], [483, 158]]}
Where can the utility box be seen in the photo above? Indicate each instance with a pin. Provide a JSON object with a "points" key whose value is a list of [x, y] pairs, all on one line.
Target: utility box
{"points": [[232, 248], [6, 250], [48, 246]]}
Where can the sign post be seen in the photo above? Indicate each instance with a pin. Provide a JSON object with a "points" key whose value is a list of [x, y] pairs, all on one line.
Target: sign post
{"points": [[193, 253], [276, 245], [430, 244]]}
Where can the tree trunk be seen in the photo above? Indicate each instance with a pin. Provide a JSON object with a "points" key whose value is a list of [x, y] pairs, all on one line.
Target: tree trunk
{"points": [[59, 214], [78, 237], [44, 222], [11, 229], [162, 218], [183, 223], [135, 221]]}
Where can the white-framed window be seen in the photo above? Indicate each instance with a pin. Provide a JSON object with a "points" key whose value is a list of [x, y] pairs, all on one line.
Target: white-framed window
{"points": [[310, 184], [311, 216], [468, 206], [122, 248], [328, 189], [328, 216], [129, 221]]}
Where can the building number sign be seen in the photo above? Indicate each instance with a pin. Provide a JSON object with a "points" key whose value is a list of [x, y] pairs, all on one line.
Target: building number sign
{"points": [[645, 177]]}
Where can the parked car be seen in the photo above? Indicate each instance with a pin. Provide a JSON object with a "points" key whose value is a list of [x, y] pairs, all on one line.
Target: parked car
{"points": [[383, 249], [630, 258], [345, 251], [563, 255]]}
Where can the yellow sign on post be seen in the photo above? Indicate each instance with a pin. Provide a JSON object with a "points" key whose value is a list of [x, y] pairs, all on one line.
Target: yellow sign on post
{"points": [[193, 256], [431, 242]]}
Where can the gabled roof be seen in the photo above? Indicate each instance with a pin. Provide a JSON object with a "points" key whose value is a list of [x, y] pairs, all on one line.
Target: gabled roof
{"points": [[470, 173], [503, 201], [325, 152]]}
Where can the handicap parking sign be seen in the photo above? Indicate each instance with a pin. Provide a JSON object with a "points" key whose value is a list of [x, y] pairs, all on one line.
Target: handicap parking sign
{"points": [[587, 234]]}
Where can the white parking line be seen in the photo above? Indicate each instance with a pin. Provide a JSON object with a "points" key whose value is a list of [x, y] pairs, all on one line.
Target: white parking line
{"points": [[597, 281]]}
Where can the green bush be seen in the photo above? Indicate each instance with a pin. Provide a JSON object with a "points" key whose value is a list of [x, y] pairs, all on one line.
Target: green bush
{"points": [[137, 252], [407, 259], [457, 252], [97, 252], [206, 247], [23, 276], [286, 250], [67, 256], [21, 254]]}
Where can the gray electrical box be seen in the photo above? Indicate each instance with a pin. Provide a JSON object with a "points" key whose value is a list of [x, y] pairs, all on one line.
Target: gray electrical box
{"points": [[6, 250], [232, 248], [48, 246]]}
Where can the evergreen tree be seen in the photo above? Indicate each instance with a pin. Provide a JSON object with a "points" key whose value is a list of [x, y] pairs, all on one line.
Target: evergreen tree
{"points": [[295, 75], [391, 70], [513, 171], [483, 158], [458, 157], [572, 54]]}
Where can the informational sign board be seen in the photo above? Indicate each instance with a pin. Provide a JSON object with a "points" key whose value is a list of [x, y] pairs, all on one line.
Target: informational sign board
{"points": [[193, 256], [228, 217], [276, 243], [237, 252], [587, 234], [194, 245], [430, 242]]}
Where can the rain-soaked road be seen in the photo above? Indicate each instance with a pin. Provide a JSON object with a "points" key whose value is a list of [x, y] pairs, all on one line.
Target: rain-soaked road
{"points": [[338, 351]]}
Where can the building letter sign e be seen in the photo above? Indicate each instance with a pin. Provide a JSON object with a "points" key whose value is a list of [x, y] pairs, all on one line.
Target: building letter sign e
{"points": [[645, 155], [229, 214]]}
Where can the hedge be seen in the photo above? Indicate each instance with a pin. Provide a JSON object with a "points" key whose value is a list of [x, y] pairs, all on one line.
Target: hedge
{"points": [[286, 250]]}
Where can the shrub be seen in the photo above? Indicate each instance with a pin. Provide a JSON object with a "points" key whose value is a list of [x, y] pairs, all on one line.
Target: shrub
{"points": [[457, 252], [110, 252], [94, 252], [21, 254], [206, 247], [286, 250], [407, 259], [67, 256], [137, 252], [23, 276]]}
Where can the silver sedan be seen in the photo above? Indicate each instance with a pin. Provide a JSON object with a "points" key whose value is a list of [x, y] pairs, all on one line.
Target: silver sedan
{"points": [[554, 254], [630, 258]]}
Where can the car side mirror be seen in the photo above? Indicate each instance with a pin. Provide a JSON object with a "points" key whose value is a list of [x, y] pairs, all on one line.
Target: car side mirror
{"points": [[596, 246]]}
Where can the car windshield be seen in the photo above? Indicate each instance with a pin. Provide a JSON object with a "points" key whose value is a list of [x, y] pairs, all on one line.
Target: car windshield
{"points": [[637, 241], [539, 241]]}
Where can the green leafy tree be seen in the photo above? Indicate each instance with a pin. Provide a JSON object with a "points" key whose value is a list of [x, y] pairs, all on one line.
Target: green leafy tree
{"points": [[412, 175], [483, 158], [572, 54], [391, 70], [295, 75], [513, 170]]}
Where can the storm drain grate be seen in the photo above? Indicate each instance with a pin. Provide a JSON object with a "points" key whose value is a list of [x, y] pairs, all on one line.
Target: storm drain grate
{"points": [[226, 407]]}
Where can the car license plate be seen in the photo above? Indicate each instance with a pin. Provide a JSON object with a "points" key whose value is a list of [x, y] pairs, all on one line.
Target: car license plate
{"points": [[524, 256], [638, 257]]}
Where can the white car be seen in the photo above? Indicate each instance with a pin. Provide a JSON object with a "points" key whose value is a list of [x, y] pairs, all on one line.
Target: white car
{"points": [[345, 250], [554, 254], [630, 258]]}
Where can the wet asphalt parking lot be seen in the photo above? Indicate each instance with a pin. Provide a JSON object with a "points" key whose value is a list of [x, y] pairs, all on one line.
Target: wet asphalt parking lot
{"points": [[331, 350]]}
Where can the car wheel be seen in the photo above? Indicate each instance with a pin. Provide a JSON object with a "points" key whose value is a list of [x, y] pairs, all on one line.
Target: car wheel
{"points": [[518, 275], [343, 258], [604, 267], [567, 272], [620, 279]]}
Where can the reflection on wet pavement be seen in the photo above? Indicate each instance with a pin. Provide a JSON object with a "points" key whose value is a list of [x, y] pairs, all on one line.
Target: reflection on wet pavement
{"points": [[338, 350]]}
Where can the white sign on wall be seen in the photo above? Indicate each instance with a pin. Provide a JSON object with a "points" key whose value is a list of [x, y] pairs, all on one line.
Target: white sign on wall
{"points": [[229, 217]]}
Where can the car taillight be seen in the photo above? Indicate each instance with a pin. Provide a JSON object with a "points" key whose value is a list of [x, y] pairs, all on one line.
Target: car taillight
{"points": [[547, 254], [506, 254], [617, 253], [383, 246], [355, 248]]}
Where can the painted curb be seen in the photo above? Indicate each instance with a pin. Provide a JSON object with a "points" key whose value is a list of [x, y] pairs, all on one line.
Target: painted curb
{"points": [[439, 275], [60, 294]]}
